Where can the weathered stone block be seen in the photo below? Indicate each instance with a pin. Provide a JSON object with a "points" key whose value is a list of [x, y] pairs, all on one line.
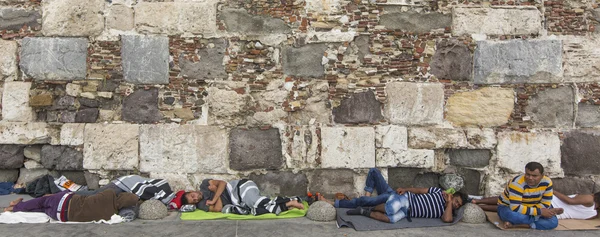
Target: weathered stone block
{"points": [[173, 18], [552, 108], [73, 17], [33, 152], [103, 150], [329, 182], [587, 115], [391, 137], [317, 108], [581, 59], [484, 138], [414, 103], [411, 177], [516, 149], [15, 102], [487, 107], [26, 175], [435, 138], [452, 60], [580, 152], [407, 158], [41, 100], [89, 103], [304, 61], [323, 7], [145, 59], [86, 115], [9, 175], [518, 61], [572, 185], [239, 21], [185, 149], [227, 107], [176, 181], [92, 180], [496, 21], [255, 149], [11, 156], [451, 181], [28, 133], [64, 102], [415, 22], [281, 183], [141, 107], [470, 158], [119, 17], [54, 58], [14, 19], [210, 65], [77, 177], [8, 59], [472, 181], [359, 108], [61, 158], [304, 147], [31, 164], [347, 147], [67, 116]]}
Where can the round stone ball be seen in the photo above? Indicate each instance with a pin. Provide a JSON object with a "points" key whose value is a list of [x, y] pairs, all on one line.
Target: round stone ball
{"points": [[451, 181], [153, 210], [473, 214], [321, 211]]}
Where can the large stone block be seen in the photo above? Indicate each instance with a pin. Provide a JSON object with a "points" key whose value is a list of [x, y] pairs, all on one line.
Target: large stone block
{"points": [[305, 61], [487, 107], [71, 134], [452, 60], [580, 151], [176, 181], [303, 148], [470, 158], [54, 58], [359, 108], [412, 177], [239, 21], [73, 17], [11, 156], [415, 22], [484, 138], [552, 108], [174, 18], [581, 59], [409, 158], [8, 59], [28, 133], [587, 115], [317, 108], [255, 149], [33, 152], [281, 183], [141, 107], [347, 147], [145, 59], [323, 7], [472, 181], [119, 17], [9, 175], [62, 158], [391, 137], [15, 102], [496, 21], [414, 103], [111, 146], [572, 185], [329, 182], [518, 61], [89, 115], [435, 138], [227, 107], [210, 65], [13, 19], [516, 149], [184, 149], [27, 175]]}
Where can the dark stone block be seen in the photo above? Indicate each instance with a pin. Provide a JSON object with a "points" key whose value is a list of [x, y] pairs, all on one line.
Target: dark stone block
{"points": [[470, 158], [169, 100], [87, 115], [472, 181], [239, 21], [572, 185], [552, 107], [360, 108], [329, 182], [579, 152], [90, 103], [412, 177], [427, 180], [210, 65], [255, 149], [108, 85], [67, 117], [77, 177], [281, 183], [452, 60], [61, 158], [415, 22], [11, 156], [304, 61], [142, 107], [64, 102], [15, 18]]}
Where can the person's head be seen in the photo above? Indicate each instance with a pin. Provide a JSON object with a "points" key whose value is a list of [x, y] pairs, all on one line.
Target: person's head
{"points": [[192, 197], [534, 172], [459, 199]]}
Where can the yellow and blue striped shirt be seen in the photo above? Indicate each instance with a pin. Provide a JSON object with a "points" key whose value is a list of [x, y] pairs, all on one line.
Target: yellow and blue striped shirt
{"points": [[527, 200]]}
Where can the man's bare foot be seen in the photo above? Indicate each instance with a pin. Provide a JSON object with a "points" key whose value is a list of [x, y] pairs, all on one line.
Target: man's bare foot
{"points": [[558, 211], [322, 198], [506, 225], [295, 204], [15, 202], [8, 209]]}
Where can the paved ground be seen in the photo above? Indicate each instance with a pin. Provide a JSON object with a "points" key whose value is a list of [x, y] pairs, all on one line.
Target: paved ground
{"points": [[172, 226]]}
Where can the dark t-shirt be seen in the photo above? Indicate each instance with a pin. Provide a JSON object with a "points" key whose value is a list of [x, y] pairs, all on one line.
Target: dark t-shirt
{"points": [[208, 195]]}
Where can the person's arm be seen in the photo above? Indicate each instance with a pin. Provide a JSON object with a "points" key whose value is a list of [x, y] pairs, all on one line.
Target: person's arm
{"points": [[447, 216], [581, 199], [548, 194], [220, 184], [412, 190], [217, 207]]}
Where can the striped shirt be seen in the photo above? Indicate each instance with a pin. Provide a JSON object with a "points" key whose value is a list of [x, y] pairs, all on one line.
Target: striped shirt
{"points": [[527, 200], [146, 188], [429, 205]]}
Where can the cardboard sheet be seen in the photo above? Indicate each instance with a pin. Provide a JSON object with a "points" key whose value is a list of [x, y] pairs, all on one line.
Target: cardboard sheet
{"points": [[568, 224]]}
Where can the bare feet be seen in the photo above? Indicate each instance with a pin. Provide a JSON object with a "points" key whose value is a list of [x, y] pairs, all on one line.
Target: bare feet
{"points": [[321, 198], [8, 209], [557, 211], [15, 202], [506, 225], [295, 204]]}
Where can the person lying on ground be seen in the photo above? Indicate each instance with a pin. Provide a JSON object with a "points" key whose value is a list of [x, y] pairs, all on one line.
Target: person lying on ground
{"points": [[389, 206], [578, 206], [68, 206], [241, 197]]}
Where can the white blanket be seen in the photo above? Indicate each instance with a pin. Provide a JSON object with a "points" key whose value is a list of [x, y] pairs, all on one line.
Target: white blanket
{"points": [[40, 217]]}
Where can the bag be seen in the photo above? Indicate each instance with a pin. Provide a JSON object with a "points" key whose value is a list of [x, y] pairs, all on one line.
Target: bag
{"points": [[63, 184]]}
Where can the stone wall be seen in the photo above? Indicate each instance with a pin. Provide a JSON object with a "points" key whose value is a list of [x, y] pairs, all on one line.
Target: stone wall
{"points": [[301, 95]]}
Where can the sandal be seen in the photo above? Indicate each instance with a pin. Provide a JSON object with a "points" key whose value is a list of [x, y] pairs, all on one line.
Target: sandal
{"points": [[341, 196]]}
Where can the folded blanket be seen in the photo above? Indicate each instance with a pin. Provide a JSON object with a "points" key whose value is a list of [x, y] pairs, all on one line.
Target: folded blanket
{"points": [[40, 217], [202, 215]]}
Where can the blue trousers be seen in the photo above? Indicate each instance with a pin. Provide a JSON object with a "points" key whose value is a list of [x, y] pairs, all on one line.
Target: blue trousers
{"points": [[536, 222], [375, 181]]}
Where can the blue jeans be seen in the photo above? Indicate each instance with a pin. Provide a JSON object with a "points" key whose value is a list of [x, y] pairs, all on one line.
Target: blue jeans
{"points": [[536, 222], [375, 181]]}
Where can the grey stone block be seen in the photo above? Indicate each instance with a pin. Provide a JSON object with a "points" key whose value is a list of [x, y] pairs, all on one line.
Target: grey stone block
{"points": [[64, 102], [9, 175], [321, 211], [452, 60], [61, 158], [145, 59], [330, 182], [552, 108], [33, 152], [86, 115], [281, 183], [16, 18], [472, 181], [77, 177], [588, 115], [90, 103], [415, 22], [470, 158], [239, 21], [211, 62], [579, 152], [67, 116], [412, 177], [54, 58], [304, 61], [518, 61], [92, 180], [359, 108], [573, 185], [11, 156], [141, 107], [426, 180], [255, 149]]}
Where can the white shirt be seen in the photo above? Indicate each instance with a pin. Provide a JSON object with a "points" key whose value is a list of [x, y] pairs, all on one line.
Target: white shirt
{"points": [[573, 211]]}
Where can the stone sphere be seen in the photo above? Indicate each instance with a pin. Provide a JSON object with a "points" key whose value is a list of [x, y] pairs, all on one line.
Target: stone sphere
{"points": [[473, 214], [451, 181], [153, 210], [321, 211]]}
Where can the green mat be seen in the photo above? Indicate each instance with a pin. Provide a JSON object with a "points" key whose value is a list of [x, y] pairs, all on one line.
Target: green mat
{"points": [[202, 215]]}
